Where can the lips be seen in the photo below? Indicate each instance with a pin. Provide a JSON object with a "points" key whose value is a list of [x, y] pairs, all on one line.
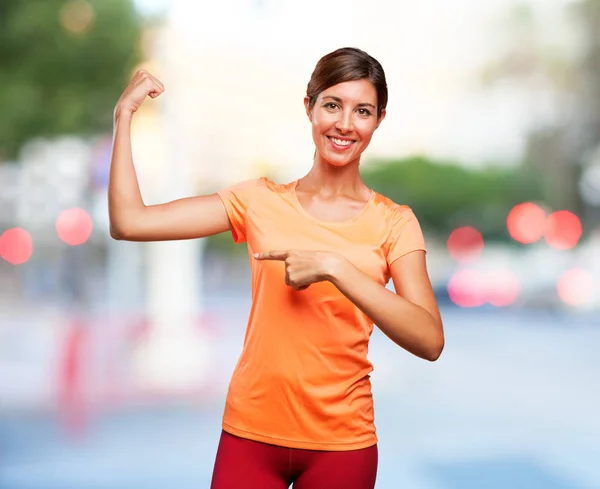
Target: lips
{"points": [[340, 143]]}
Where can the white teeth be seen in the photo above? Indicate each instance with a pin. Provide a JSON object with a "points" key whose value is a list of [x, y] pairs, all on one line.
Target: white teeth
{"points": [[341, 142]]}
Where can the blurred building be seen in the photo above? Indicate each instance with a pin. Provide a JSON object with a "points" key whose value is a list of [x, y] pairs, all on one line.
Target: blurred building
{"points": [[236, 73]]}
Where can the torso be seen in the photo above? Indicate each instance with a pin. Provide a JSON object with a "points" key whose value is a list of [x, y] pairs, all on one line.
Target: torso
{"points": [[302, 379]]}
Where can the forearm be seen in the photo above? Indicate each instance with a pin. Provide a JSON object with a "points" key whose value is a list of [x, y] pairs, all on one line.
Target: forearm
{"points": [[408, 325], [124, 196]]}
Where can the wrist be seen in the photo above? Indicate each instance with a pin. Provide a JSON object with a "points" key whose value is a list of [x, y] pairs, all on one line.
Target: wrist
{"points": [[122, 113], [334, 268]]}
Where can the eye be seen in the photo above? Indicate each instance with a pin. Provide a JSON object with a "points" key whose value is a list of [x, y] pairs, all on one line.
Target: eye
{"points": [[364, 112], [330, 105]]}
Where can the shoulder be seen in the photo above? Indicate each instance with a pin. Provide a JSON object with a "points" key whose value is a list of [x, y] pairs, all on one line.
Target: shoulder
{"points": [[260, 184], [402, 229], [254, 191], [393, 211], [244, 190], [247, 185], [278, 188]]}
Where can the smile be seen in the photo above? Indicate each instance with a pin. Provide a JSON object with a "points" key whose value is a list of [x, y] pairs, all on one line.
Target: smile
{"points": [[340, 143]]}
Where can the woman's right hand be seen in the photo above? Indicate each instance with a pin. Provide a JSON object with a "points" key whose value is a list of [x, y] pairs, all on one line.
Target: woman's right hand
{"points": [[142, 85]]}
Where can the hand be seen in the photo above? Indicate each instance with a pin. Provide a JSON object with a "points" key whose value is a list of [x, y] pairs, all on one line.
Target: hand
{"points": [[142, 85], [303, 268]]}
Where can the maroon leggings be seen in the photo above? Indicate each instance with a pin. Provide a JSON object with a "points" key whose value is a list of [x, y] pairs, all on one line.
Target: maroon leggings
{"points": [[248, 464]]}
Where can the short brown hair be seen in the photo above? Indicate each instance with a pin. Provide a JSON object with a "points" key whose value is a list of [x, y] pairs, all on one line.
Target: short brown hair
{"points": [[347, 64]]}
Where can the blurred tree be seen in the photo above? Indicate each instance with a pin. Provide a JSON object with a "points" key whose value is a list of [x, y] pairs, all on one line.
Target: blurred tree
{"points": [[446, 195], [557, 61], [63, 65], [587, 13]]}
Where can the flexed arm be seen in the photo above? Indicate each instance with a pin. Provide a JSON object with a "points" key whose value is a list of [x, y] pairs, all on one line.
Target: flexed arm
{"points": [[130, 218]]}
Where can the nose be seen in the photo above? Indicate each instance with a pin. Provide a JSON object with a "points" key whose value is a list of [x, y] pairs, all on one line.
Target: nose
{"points": [[344, 122]]}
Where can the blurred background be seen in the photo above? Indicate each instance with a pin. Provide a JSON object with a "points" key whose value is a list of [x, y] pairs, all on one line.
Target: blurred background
{"points": [[115, 356]]}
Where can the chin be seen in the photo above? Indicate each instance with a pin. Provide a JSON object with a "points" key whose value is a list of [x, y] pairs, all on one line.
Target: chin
{"points": [[339, 162]]}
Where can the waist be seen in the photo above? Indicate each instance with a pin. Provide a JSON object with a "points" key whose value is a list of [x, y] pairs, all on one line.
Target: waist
{"points": [[301, 410]]}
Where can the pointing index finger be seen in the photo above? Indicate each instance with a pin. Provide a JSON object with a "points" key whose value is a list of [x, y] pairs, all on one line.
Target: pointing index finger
{"points": [[272, 255]]}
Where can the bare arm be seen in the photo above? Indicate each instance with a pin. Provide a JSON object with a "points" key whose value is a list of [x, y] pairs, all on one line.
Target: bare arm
{"points": [[130, 218], [410, 317]]}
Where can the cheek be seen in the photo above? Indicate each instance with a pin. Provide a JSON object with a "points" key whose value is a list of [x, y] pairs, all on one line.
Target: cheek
{"points": [[319, 127], [320, 122], [366, 137], [316, 133], [365, 133]]}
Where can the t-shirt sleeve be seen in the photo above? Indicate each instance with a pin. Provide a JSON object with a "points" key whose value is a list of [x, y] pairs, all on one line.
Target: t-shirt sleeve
{"points": [[236, 200], [405, 236]]}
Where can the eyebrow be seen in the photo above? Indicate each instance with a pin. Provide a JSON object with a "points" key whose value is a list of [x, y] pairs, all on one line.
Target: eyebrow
{"points": [[339, 100]]}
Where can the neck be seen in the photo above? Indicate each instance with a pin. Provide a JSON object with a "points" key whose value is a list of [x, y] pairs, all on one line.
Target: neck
{"points": [[330, 179]]}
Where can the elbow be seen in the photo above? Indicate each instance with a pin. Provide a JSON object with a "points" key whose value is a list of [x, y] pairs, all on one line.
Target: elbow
{"points": [[120, 232], [115, 233], [124, 222], [115, 223], [435, 350], [123, 228]]}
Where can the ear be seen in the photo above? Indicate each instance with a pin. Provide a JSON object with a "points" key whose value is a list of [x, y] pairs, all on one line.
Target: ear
{"points": [[381, 117], [308, 110]]}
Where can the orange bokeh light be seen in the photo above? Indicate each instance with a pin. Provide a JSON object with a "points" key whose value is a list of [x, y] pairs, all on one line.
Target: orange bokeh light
{"points": [[526, 222], [465, 244], [563, 230], [77, 16], [16, 246], [575, 287], [74, 226]]}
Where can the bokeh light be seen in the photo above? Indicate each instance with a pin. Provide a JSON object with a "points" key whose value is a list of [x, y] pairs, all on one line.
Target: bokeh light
{"points": [[77, 17], [474, 288], [465, 244], [74, 226], [526, 222], [576, 287], [502, 288], [563, 230], [465, 288], [16, 246]]}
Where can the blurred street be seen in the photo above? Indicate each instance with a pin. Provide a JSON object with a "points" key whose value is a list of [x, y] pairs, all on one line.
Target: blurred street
{"points": [[511, 403]]}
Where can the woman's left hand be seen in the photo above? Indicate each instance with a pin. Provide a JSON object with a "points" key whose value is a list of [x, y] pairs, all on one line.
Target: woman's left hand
{"points": [[303, 268]]}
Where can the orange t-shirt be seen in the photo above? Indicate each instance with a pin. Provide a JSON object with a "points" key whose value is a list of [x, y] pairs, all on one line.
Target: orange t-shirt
{"points": [[302, 379]]}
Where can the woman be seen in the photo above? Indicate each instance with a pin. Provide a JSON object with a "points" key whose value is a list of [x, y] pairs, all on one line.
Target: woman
{"points": [[322, 248]]}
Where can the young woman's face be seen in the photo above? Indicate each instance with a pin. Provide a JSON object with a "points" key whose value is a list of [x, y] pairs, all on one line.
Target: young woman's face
{"points": [[344, 119]]}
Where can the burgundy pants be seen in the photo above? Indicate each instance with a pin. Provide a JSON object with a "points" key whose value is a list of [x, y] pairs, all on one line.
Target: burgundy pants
{"points": [[248, 464]]}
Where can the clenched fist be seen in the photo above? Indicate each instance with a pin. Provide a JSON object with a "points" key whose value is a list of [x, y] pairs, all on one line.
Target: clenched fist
{"points": [[142, 85], [303, 268]]}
